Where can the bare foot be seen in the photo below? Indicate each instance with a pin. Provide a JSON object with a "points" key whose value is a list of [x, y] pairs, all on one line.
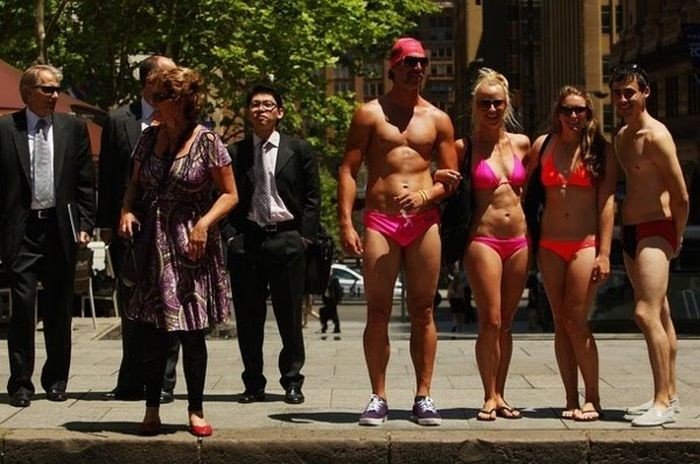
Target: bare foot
{"points": [[588, 413], [197, 419], [570, 410]]}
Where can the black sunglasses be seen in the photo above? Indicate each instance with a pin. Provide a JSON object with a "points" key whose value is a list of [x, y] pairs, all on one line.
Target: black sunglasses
{"points": [[486, 104], [412, 61], [48, 89], [159, 97], [565, 110]]}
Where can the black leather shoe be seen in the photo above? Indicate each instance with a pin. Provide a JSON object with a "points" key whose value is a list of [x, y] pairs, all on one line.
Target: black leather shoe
{"points": [[293, 395], [20, 400], [124, 395], [56, 395], [166, 397], [250, 396]]}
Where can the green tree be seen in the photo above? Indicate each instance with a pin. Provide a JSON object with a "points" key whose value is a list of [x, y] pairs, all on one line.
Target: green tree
{"points": [[234, 43]]}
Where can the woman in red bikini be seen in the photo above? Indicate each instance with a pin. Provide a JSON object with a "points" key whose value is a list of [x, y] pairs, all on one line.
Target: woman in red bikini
{"points": [[578, 172], [496, 257]]}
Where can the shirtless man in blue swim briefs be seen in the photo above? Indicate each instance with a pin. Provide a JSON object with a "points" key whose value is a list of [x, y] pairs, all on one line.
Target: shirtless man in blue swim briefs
{"points": [[396, 137]]}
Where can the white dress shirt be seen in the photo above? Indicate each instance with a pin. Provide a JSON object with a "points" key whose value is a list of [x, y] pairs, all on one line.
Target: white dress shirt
{"points": [[278, 211]]}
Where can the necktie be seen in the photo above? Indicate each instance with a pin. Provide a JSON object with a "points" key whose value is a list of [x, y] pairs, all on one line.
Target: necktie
{"points": [[263, 190], [43, 185]]}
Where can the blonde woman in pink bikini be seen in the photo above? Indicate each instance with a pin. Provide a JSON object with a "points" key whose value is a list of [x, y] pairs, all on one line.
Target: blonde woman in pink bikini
{"points": [[496, 258], [578, 172]]}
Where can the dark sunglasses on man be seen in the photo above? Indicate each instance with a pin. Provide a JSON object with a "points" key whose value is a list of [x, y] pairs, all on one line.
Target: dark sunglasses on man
{"points": [[412, 61], [48, 89]]}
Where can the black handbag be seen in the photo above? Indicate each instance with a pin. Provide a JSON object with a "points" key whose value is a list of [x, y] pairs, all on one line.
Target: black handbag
{"points": [[533, 205], [456, 214]]}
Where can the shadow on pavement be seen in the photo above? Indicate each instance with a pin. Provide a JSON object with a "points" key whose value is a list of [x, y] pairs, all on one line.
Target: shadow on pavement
{"points": [[126, 428]]}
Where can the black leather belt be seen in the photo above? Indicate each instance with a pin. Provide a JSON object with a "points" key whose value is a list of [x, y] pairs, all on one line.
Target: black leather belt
{"points": [[275, 227], [42, 214]]}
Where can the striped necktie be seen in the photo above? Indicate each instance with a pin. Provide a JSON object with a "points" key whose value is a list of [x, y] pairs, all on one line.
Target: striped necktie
{"points": [[43, 184], [263, 188]]}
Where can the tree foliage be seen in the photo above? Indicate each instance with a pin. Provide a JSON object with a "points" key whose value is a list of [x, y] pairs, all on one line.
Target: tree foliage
{"points": [[234, 43]]}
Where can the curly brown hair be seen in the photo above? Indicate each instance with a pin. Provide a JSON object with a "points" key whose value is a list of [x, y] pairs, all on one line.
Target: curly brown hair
{"points": [[186, 85]]}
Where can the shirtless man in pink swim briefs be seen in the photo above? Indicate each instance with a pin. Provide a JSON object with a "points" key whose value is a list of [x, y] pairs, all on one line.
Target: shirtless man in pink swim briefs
{"points": [[654, 216], [396, 136]]}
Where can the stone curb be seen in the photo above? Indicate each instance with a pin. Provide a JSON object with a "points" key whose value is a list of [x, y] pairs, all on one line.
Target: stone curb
{"points": [[262, 446]]}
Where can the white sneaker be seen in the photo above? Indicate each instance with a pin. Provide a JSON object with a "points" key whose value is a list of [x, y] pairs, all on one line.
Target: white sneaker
{"points": [[654, 417], [634, 411]]}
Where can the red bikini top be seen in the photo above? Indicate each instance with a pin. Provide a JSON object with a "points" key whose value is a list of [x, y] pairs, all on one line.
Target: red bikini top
{"points": [[551, 177]]}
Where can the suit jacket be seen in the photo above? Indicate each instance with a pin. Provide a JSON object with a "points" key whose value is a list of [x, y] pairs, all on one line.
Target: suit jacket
{"points": [[296, 178], [73, 177], [120, 133]]}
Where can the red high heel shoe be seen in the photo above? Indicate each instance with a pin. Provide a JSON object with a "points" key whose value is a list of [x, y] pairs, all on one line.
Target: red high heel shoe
{"points": [[201, 430]]}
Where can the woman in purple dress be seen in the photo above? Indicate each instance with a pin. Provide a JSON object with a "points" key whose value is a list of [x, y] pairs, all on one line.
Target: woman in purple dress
{"points": [[178, 281]]}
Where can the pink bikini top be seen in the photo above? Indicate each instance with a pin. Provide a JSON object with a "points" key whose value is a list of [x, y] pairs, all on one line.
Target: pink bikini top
{"points": [[483, 176]]}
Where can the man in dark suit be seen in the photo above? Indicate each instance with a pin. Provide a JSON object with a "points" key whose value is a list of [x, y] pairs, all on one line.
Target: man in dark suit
{"points": [[120, 133], [47, 210], [267, 235]]}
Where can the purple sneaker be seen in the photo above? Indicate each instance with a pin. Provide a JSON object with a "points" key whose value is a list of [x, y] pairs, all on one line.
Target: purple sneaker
{"points": [[376, 411], [424, 412]]}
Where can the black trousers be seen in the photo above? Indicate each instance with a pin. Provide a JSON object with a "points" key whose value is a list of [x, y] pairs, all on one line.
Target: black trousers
{"points": [[156, 344], [40, 258], [329, 312], [273, 264], [130, 379]]}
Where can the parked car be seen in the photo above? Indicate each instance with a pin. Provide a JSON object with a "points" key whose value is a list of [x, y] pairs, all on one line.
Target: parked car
{"points": [[353, 283]]}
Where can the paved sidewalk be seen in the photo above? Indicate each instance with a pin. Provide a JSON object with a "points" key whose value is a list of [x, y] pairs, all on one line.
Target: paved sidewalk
{"points": [[337, 388]]}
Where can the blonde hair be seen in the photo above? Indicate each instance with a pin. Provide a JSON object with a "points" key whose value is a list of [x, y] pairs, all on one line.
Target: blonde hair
{"points": [[592, 141], [487, 76], [30, 77]]}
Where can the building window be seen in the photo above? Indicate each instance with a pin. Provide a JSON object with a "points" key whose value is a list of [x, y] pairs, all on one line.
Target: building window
{"points": [[373, 89], [693, 94], [341, 72], [343, 87], [653, 100], [606, 69], [608, 118], [618, 18], [671, 96], [605, 19]]}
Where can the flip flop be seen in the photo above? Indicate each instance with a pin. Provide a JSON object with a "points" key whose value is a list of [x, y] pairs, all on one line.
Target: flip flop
{"points": [[568, 413], [488, 415], [507, 412], [588, 415]]}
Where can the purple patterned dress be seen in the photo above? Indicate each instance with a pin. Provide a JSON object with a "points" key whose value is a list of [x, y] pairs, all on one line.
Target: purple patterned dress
{"points": [[174, 292]]}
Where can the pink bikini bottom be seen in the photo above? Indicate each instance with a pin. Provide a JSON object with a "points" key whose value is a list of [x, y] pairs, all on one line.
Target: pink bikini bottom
{"points": [[505, 247], [401, 229]]}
